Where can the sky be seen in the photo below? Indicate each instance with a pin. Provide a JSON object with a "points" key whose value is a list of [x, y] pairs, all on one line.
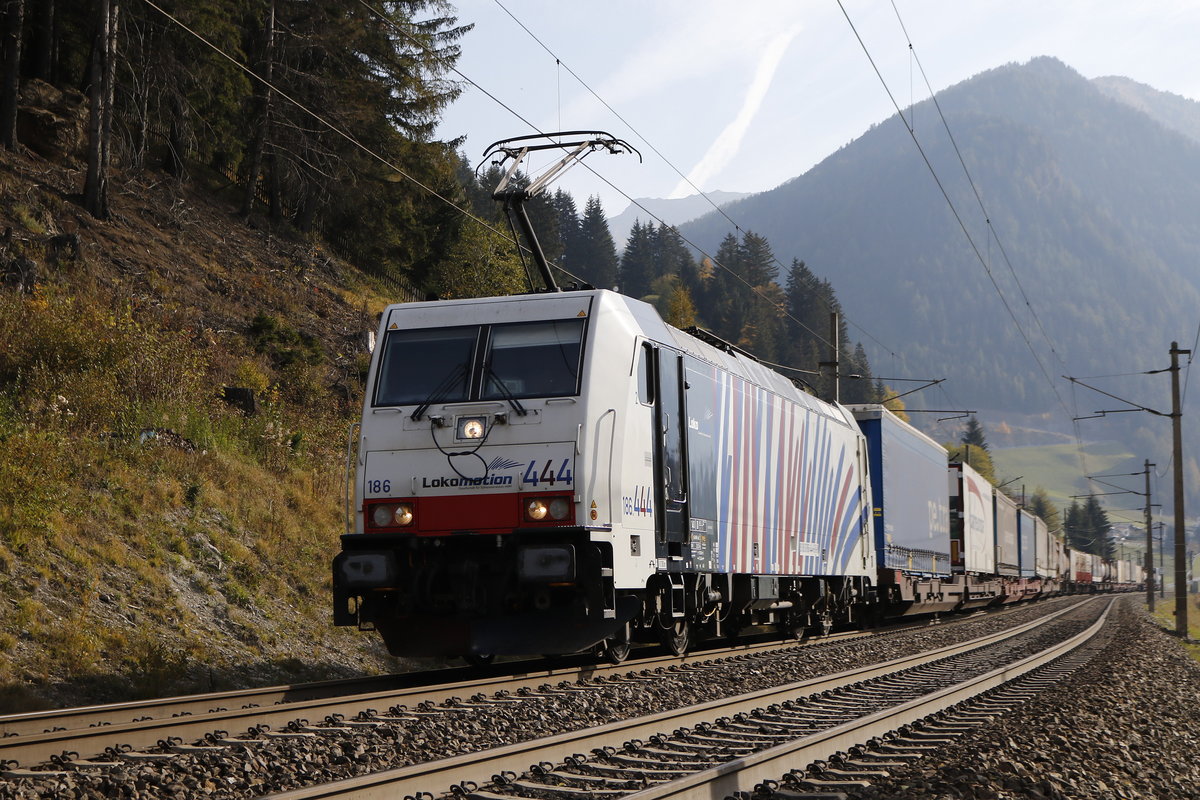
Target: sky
{"points": [[742, 96]]}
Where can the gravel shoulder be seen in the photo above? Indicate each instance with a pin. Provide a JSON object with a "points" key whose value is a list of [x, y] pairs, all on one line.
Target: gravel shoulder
{"points": [[1127, 726]]}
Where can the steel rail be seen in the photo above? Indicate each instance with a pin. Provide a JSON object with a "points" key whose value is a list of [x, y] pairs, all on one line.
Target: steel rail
{"points": [[435, 682], [414, 779], [742, 773], [29, 739]]}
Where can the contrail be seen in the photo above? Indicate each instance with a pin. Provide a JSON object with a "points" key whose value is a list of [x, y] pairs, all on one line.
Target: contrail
{"points": [[727, 144]]}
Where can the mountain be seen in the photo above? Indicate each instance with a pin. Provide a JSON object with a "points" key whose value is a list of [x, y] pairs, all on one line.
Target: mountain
{"points": [[1092, 201], [673, 211], [1173, 111]]}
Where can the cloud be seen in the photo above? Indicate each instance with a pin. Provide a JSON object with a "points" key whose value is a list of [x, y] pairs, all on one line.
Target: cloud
{"points": [[729, 141]]}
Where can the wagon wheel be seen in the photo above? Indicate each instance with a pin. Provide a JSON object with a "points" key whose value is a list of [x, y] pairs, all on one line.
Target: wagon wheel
{"points": [[794, 625]]}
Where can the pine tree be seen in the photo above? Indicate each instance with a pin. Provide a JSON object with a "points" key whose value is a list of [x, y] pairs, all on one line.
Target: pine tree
{"points": [[726, 297], [1097, 523], [973, 435], [567, 215], [637, 270], [1073, 527], [674, 257], [857, 389], [598, 262], [1088, 528]]}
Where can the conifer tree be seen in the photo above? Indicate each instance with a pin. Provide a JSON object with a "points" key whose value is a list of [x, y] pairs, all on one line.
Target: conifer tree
{"points": [[598, 254], [973, 435], [568, 228], [637, 270]]}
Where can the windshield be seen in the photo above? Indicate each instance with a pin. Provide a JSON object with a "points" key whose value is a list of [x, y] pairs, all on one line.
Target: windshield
{"points": [[534, 359], [446, 365], [426, 365]]}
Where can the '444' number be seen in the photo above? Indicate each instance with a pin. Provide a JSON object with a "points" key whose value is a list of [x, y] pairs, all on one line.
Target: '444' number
{"points": [[547, 474]]}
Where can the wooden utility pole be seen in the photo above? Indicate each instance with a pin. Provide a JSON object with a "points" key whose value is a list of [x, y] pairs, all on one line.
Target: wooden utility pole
{"points": [[1181, 609], [1149, 545]]}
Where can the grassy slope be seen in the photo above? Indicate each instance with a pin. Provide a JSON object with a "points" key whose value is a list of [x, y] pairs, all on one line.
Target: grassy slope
{"points": [[152, 538], [1049, 466]]}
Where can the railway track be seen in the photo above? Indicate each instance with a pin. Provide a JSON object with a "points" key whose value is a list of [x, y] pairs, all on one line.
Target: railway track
{"points": [[718, 748], [199, 742], [37, 737]]}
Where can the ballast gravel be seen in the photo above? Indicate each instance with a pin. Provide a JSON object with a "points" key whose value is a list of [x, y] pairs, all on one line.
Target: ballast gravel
{"points": [[274, 765], [1127, 725]]}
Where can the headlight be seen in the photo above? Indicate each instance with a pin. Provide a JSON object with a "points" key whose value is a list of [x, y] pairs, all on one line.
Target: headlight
{"points": [[559, 508], [392, 515], [536, 510], [471, 428], [555, 508]]}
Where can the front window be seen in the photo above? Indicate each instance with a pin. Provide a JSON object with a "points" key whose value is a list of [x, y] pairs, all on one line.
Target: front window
{"points": [[533, 359], [426, 365], [481, 362]]}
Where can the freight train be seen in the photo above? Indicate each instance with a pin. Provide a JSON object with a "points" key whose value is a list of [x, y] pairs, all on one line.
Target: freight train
{"points": [[552, 472]]}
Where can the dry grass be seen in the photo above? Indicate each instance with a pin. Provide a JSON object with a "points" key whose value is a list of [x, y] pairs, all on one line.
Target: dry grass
{"points": [[1164, 615], [153, 538]]}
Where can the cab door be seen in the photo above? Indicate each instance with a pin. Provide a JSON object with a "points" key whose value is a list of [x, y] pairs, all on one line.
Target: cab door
{"points": [[670, 459]]}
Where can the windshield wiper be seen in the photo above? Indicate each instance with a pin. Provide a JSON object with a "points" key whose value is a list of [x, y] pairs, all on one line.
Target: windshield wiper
{"points": [[440, 391], [513, 402]]}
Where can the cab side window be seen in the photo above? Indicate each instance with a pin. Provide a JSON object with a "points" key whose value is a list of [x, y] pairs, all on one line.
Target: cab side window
{"points": [[645, 377]]}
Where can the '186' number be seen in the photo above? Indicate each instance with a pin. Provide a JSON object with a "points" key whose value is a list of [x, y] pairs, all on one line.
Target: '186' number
{"points": [[379, 487]]}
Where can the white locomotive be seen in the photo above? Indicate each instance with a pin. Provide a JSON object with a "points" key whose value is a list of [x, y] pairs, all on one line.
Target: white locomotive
{"points": [[546, 472]]}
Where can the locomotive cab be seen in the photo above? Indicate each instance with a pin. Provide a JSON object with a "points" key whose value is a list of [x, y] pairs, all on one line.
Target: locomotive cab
{"points": [[475, 482]]}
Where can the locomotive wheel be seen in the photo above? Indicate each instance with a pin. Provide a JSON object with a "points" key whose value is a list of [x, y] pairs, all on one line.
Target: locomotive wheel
{"points": [[479, 659], [678, 637], [617, 646]]}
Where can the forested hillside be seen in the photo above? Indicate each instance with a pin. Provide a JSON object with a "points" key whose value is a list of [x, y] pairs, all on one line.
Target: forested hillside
{"points": [[1091, 201], [1174, 112]]}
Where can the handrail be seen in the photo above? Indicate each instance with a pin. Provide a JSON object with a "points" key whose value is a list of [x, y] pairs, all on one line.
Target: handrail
{"points": [[348, 489]]}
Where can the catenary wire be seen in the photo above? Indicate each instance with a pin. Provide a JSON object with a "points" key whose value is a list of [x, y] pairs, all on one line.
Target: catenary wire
{"points": [[970, 180], [971, 241], [716, 262], [733, 223], [957, 216]]}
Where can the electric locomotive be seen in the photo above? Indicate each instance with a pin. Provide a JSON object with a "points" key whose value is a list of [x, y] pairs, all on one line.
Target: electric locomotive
{"points": [[550, 472]]}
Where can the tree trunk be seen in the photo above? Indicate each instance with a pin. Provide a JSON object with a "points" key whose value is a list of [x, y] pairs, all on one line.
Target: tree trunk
{"points": [[275, 188], [10, 90], [100, 93], [263, 93], [42, 55], [306, 215]]}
